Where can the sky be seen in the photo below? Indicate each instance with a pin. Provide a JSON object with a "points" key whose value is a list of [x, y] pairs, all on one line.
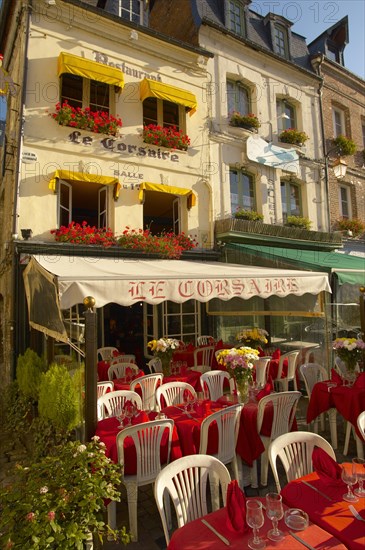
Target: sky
{"points": [[312, 17]]}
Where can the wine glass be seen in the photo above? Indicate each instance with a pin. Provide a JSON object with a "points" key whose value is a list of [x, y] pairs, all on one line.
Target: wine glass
{"points": [[191, 401], [349, 477], [129, 412], [358, 467], [255, 519], [120, 414], [274, 511]]}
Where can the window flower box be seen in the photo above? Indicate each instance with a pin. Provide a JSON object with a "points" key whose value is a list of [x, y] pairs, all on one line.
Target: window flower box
{"points": [[249, 121], [165, 136], [99, 122], [293, 136], [346, 146], [165, 245]]}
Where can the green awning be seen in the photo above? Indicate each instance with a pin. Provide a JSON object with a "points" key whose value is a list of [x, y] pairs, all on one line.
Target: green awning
{"points": [[348, 269]]}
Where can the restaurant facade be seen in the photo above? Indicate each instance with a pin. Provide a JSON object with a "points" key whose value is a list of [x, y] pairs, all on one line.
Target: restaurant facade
{"points": [[57, 170]]}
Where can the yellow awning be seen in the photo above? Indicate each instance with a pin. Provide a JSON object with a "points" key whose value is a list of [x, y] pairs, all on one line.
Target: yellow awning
{"points": [[73, 64], [152, 88], [70, 175], [147, 186]]}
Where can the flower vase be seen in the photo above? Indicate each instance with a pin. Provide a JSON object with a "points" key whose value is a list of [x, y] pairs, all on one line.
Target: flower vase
{"points": [[166, 365], [350, 375], [242, 391]]}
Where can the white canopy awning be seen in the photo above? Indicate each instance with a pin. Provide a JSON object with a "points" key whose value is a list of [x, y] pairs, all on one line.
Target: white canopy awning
{"points": [[126, 281]]}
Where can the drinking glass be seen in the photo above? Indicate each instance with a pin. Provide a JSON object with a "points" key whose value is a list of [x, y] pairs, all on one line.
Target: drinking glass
{"points": [[358, 466], [275, 512], [349, 477], [191, 401], [120, 414], [129, 412], [255, 519]]}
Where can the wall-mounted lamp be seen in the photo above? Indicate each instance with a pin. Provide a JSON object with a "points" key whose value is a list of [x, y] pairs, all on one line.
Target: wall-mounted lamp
{"points": [[26, 233], [339, 168]]}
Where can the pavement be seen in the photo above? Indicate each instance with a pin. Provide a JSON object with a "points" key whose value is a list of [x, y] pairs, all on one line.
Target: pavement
{"points": [[150, 532]]}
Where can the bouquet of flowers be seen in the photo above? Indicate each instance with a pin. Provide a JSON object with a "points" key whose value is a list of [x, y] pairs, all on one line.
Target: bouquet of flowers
{"points": [[239, 365], [164, 349], [253, 337], [349, 350]]}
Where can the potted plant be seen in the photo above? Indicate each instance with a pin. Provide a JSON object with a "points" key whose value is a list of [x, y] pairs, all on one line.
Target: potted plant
{"points": [[99, 122], [248, 121], [250, 215], [293, 136], [164, 349], [165, 136], [298, 221], [83, 233], [346, 146], [57, 502], [239, 363], [357, 227]]}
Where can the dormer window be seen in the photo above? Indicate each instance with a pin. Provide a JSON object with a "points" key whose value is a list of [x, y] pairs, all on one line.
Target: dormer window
{"points": [[236, 17], [131, 10], [281, 41]]}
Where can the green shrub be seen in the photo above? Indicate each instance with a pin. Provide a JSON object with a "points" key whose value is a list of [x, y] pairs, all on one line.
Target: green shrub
{"points": [[28, 372], [297, 221], [346, 145], [251, 215], [356, 226], [59, 400], [56, 502]]}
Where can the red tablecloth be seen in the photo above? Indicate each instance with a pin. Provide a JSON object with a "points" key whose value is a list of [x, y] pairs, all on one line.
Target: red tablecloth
{"points": [[125, 384], [349, 401], [195, 535], [249, 444], [107, 430], [192, 377], [334, 516]]}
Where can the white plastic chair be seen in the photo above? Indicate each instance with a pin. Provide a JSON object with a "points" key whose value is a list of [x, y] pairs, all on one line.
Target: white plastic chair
{"points": [[173, 393], [284, 406], [204, 340], [103, 387], [311, 374], [106, 354], [313, 355], [148, 385], [295, 452], [131, 358], [154, 365], [147, 441], [212, 383], [283, 383], [228, 423], [203, 358], [261, 367], [119, 369], [109, 403], [361, 424], [185, 482]]}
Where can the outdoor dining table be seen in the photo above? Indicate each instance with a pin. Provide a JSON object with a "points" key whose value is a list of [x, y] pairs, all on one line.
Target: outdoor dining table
{"points": [[348, 400], [195, 535], [124, 383], [330, 512], [249, 445], [108, 430], [190, 376]]}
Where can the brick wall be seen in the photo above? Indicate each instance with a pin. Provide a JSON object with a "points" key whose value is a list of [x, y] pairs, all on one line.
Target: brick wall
{"points": [[345, 91]]}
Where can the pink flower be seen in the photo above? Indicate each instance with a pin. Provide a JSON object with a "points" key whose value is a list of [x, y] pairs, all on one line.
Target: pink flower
{"points": [[30, 516], [51, 515]]}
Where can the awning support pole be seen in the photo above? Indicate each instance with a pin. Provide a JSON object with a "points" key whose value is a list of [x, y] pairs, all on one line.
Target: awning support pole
{"points": [[90, 368]]}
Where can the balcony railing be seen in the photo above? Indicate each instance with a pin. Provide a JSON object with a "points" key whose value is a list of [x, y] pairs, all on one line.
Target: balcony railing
{"points": [[244, 231]]}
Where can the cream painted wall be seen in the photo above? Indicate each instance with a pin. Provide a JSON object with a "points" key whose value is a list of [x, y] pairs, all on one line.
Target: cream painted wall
{"points": [[55, 148], [267, 80]]}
